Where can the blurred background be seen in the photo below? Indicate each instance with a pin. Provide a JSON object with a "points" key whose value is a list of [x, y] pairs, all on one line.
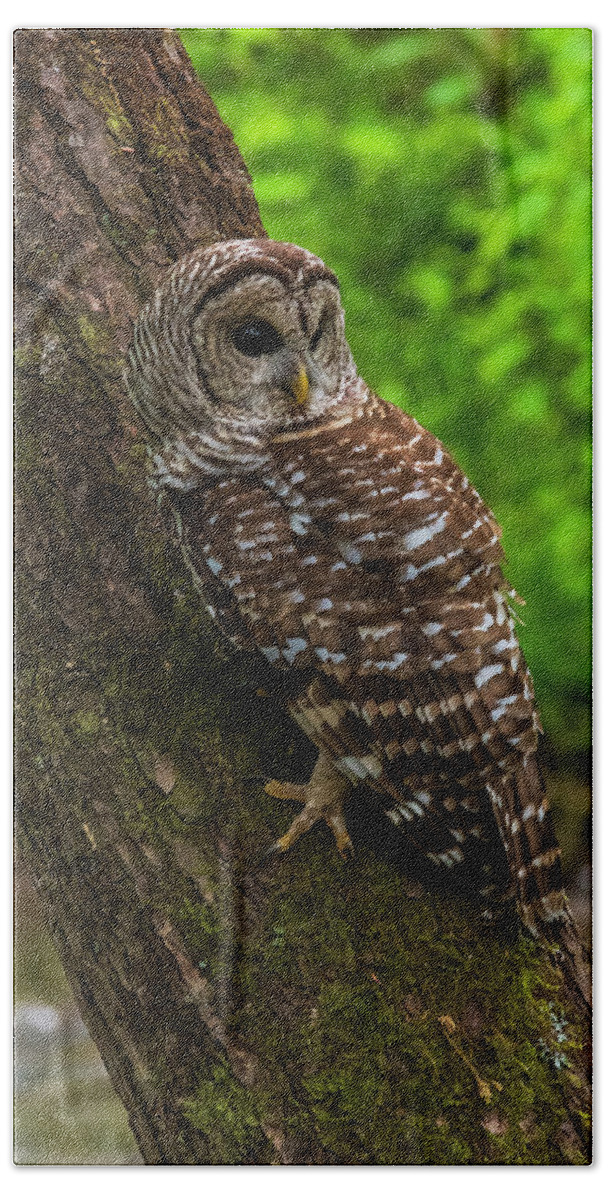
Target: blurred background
{"points": [[445, 176]]}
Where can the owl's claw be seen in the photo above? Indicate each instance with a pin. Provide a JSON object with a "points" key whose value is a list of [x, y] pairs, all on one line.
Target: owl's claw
{"points": [[344, 845], [285, 790], [270, 852], [322, 799], [346, 850]]}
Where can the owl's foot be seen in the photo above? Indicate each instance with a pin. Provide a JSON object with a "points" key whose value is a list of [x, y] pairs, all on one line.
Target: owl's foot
{"points": [[323, 799]]}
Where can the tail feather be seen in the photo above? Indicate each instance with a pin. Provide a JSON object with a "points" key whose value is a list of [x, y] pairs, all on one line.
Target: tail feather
{"points": [[526, 827]]}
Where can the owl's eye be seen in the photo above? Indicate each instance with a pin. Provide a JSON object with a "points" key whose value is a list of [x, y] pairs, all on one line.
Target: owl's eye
{"points": [[255, 338]]}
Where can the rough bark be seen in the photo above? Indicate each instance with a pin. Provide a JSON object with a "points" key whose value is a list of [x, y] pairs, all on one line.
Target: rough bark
{"points": [[301, 1011]]}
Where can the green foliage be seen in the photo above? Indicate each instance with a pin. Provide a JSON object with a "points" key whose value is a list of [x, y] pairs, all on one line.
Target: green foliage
{"points": [[445, 176]]}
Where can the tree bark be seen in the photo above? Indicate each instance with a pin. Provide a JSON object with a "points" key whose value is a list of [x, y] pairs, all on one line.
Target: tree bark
{"points": [[301, 1011]]}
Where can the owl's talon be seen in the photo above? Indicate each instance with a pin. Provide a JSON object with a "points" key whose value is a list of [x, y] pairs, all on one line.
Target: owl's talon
{"points": [[271, 852], [283, 844], [322, 799], [285, 790], [346, 850], [253, 780]]}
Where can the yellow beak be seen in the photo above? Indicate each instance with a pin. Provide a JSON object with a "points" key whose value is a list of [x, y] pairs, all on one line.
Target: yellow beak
{"points": [[300, 386]]}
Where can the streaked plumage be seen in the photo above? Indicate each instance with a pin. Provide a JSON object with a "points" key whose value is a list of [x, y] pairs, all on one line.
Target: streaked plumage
{"points": [[329, 531]]}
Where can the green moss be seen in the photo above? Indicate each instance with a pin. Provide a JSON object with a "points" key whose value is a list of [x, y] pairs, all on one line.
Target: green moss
{"points": [[118, 125], [88, 722], [228, 1115], [103, 97], [94, 333], [163, 134], [397, 1060], [119, 233]]}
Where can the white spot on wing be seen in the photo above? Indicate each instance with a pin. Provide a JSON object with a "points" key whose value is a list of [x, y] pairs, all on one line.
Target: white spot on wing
{"points": [[361, 767], [294, 647], [271, 653], [487, 622], [419, 537], [405, 812], [349, 553], [377, 631], [299, 523], [423, 797], [389, 664], [488, 673], [502, 705], [505, 644], [420, 494], [438, 663], [411, 571], [329, 655]]}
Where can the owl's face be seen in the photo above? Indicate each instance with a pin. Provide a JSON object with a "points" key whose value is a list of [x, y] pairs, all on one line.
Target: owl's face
{"points": [[271, 349], [243, 339]]}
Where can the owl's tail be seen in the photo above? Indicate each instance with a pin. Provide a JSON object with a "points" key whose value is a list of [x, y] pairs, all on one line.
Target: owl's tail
{"points": [[522, 812]]}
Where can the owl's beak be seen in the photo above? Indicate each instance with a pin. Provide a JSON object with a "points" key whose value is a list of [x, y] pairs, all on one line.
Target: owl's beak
{"points": [[292, 376], [299, 386]]}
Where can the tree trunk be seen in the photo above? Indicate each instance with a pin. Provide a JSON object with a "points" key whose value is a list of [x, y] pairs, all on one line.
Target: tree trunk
{"points": [[300, 1011]]}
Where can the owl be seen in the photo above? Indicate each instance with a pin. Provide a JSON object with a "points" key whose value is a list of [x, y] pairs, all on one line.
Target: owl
{"points": [[334, 537]]}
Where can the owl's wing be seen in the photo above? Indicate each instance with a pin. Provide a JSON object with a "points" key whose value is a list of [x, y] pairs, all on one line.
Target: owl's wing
{"points": [[439, 677], [364, 561], [365, 568]]}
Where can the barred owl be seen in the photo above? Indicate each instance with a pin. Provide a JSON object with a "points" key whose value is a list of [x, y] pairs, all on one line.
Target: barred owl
{"points": [[331, 534]]}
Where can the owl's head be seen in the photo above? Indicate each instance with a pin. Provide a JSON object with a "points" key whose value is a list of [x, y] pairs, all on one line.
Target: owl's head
{"points": [[241, 340]]}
